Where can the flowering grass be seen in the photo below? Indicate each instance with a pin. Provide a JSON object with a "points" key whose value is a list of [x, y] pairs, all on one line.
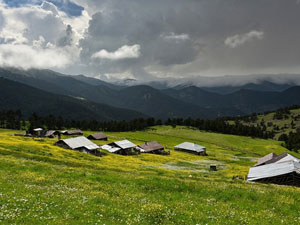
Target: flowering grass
{"points": [[44, 184]]}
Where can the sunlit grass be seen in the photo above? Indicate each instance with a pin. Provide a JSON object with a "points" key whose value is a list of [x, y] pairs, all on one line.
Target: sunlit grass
{"points": [[44, 184]]}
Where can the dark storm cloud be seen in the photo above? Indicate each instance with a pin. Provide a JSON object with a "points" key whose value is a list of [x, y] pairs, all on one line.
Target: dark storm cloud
{"points": [[263, 34], [184, 38]]}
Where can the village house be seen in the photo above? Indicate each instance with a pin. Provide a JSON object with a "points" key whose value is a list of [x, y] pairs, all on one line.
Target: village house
{"points": [[281, 169], [151, 147], [37, 132], [72, 132], [98, 136], [52, 134], [191, 148], [81, 144], [124, 147]]}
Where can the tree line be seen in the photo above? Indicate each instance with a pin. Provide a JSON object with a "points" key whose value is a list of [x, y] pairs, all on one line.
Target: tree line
{"points": [[15, 120]]}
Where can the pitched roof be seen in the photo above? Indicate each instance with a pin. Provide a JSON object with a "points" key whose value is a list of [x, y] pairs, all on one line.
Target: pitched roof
{"points": [[70, 132], [98, 136], [51, 132], [80, 142], [273, 158], [124, 144], [273, 170], [265, 159], [190, 147], [110, 148], [151, 146]]}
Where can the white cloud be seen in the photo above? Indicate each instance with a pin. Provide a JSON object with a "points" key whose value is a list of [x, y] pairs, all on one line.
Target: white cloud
{"points": [[32, 37], [240, 39], [176, 37], [125, 52], [26, 57]]}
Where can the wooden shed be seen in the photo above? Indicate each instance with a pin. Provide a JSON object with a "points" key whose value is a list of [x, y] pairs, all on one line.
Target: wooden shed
{"points": [[191, 148], [151, 147], [37, 132], [283, 169], [81, 144], [98, 136], [72, 132], [124, 147], [52, 134]]}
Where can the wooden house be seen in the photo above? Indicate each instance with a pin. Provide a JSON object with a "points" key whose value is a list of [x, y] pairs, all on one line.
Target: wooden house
{"points": [[191, 148], [151, 147], [124, 147], [72, 132], [283, 169], [37, 132], [98, 136], [52, 134], [81, 144]]}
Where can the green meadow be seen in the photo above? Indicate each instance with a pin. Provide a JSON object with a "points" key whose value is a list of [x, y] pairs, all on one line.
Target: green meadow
{"points": [[44, 184]]}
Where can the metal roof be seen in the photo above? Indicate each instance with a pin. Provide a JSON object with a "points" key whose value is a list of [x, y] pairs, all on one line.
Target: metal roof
{"points": [[38, 129], [279, 165], [273, 170], [124, 144], [190, 147], [110, 148], [265, 159], [150, 146], [71, 132], [80, 142], [51, 132], [98, 136]]}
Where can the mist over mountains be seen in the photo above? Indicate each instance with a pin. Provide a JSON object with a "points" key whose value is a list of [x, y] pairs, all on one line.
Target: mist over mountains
{"points": [[160, 100]]}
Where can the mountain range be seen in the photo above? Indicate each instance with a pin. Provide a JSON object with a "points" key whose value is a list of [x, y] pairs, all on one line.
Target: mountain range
{"points": [[81, 97]]}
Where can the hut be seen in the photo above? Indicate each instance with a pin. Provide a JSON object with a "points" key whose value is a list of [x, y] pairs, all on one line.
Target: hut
{"points": [[98, 136], [81, 144], [281, 169], [37, 132], [191, 148], [72, 132], [151, 147], [52, 134], [124, 147]]}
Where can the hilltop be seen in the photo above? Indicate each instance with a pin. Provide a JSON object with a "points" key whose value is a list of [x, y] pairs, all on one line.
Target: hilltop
{"points": [[44, 184], [282, 121], [176, 102]]}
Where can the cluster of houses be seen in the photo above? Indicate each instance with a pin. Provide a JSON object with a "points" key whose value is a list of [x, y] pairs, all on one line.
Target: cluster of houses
{"points": [[124, 147], [281, 169]]}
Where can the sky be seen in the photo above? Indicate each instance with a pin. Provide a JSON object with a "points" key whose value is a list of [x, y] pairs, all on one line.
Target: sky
{"points": [[149, 40]]}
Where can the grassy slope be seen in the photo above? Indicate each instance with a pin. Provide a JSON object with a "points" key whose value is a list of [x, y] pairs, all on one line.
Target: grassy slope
{"points": [[44, 184], [284, 124]]}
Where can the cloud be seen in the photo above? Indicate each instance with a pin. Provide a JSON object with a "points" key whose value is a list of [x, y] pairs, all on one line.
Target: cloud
{"points": [[37, 37], [125, 52], [26, 57], [176, 37], [240, 39], [66, 6]]}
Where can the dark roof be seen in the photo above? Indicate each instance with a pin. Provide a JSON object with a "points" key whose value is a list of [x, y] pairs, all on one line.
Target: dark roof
{"points": [[98, 136], [270, 158], [151, 146], [73, 132], [277, 158], [265, 159], [51, 132], [79, 142]]}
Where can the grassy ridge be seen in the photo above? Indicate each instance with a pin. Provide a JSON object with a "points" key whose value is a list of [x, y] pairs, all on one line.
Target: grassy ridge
{"points": [[43, 184], [283, 124]]}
